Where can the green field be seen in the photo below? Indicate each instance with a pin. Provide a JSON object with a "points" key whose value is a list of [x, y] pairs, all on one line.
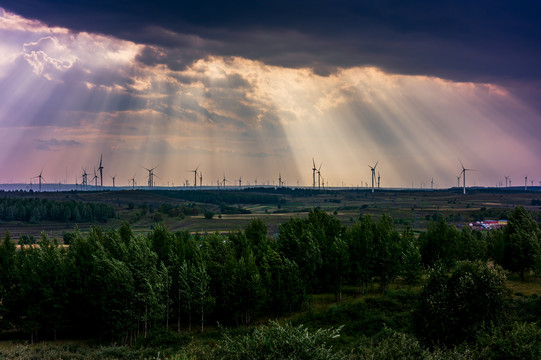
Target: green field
{"points": [[407, 207]]}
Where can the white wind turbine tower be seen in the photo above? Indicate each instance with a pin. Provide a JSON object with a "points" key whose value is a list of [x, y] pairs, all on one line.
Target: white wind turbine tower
{"points": [[463, 173], [224, 180], [100, 169], [113, 177], [200, 179], [151, 176], [314, 169], [373, 169], [132, 180], [195, 176], [40, 177], [240, 181], [95, 179], [531, 181], [319, 176], [379, 177], [525, 183], [506, 180], [84, 177], [280, 183]]}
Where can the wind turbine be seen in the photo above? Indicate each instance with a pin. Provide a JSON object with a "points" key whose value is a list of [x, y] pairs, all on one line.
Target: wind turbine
{"points": [[314, 169], [113, 177], [463, 173], [525, 183], [531, 181], [319, 177], [506, 179], [100, 169], [150, 176], [280, 183], [132, 182], [195, 176], [224, 180], [200, 179], [84, 180], [95, 179], [431, 183], [373, 169], [240, 181], [378, 179], [40, 177]]}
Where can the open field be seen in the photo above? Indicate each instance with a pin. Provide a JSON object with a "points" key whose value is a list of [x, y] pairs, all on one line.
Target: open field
{"points": [[408, 207]]}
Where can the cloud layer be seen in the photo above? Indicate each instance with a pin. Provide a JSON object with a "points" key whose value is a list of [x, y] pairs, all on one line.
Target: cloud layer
{"points": [[255, 91], [466, 41]]}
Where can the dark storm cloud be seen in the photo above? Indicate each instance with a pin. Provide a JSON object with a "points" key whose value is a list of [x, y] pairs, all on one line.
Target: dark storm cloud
{"points": [[460, 40]]}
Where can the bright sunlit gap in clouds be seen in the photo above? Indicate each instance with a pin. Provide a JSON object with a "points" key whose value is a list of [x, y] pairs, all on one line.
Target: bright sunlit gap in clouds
{"points": [[66, 98]]}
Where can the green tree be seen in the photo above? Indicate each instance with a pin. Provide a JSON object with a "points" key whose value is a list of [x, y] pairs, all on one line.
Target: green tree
{"points": [[454, 306], [439, 244], [7, 278], [361, 252], [411, 269], [387, 251], [297, 242], [521, 238], [202, 298]]}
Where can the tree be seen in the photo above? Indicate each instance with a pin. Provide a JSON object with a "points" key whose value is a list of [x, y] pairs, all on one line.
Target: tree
{"points": [[7, 277], [439, 244], [521, 243], [203, 300], [297, 242], [411, 269], [453, 306], [361, 252]]}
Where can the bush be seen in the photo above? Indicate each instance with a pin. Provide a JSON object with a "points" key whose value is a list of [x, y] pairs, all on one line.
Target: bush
{"points": [[209, 215], [521, 341], [277, 341], [161, 338], [453, 307]]}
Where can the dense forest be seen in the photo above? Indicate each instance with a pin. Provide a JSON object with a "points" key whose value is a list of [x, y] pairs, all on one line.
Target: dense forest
{"points": [[121, 288], [36, 210]]}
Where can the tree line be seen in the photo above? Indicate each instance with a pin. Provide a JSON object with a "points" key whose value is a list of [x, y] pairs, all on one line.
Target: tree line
{"points": [[117, 286], [37, 210]]}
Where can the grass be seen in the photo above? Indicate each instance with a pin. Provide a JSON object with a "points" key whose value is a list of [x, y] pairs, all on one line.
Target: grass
{"points": [[406, 207]]}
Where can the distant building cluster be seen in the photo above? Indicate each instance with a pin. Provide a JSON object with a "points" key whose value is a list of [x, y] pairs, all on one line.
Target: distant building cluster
{"points": [[488, 224]]}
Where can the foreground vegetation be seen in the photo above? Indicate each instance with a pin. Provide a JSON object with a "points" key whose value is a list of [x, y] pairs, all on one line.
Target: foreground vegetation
{"points": [[156, 292]]}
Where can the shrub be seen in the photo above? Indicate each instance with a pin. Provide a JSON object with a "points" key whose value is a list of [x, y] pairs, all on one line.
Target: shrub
{"points": [[277, 341], [453, 307]]}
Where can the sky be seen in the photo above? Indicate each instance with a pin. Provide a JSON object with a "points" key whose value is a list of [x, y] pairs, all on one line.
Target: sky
{"points": [[254, 90]]}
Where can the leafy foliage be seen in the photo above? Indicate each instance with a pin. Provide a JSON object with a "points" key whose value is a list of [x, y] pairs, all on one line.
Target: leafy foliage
{"points": [[453, 306], [36, 210]]}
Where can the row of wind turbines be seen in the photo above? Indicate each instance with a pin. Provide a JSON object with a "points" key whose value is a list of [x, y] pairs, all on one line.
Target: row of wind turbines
{"points": [[198, 175]]}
